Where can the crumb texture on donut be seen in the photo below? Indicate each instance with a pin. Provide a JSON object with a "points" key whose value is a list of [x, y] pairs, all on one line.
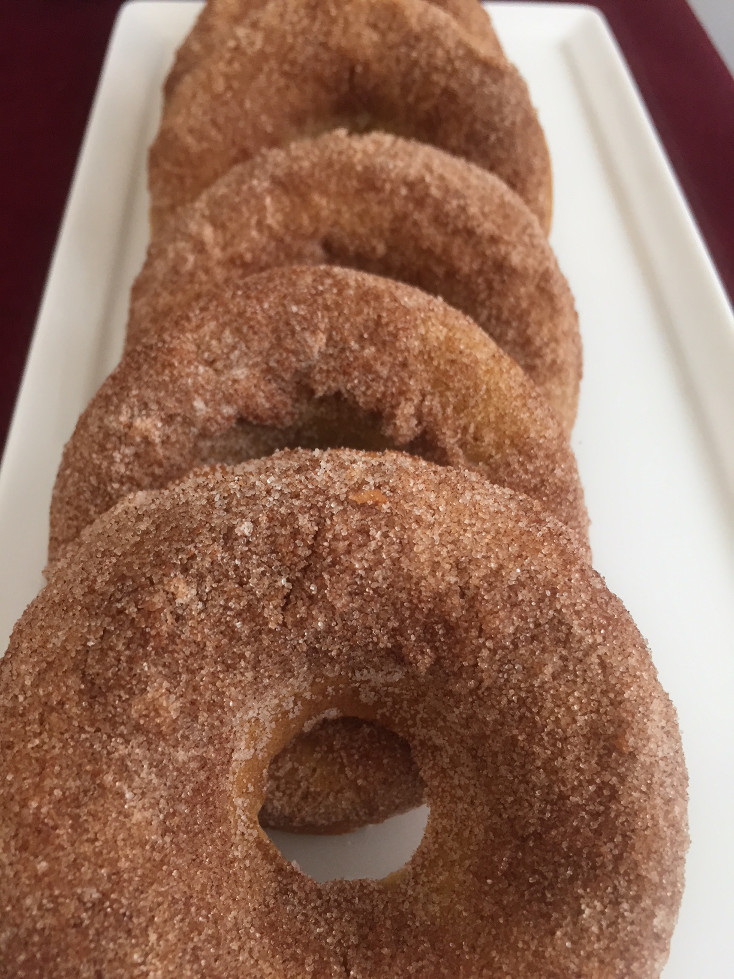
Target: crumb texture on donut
{"points": [[385, 205], [296, 68], [191, 632]]}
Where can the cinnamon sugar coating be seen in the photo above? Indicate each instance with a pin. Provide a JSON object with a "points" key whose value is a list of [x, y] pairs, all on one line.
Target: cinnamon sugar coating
{"points": [[316, 357], [296, 68], [192, 632], [219, 19], [386, 205]]}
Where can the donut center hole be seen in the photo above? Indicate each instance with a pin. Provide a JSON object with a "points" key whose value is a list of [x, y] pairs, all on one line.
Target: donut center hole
{"points": [[359, 117], [325, 423], [333, 422], [338, 775]]}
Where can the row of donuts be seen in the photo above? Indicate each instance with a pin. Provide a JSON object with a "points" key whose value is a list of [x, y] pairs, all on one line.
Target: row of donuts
{"points": [[378, 292], [426, 381]]}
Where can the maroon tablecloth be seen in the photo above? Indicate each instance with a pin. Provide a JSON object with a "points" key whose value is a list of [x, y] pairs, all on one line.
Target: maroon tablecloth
{"points": [[51, 52]]}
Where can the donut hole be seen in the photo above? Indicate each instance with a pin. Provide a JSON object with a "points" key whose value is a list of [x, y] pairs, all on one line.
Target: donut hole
{"points": [[358, 118], [372, 853], [355, 119], [339, 774], [332, 422]]}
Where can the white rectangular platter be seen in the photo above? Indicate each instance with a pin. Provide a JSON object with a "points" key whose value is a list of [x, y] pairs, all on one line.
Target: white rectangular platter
{"points": [[655, 433]]}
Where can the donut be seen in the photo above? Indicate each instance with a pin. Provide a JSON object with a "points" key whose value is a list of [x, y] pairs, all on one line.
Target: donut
{"points": [[314, 356], [300, 67], [193, 631], [386, 205], [219, 20]]}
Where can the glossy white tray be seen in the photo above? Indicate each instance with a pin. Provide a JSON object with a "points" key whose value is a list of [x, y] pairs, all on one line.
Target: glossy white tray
{"points": [[655, 433]]}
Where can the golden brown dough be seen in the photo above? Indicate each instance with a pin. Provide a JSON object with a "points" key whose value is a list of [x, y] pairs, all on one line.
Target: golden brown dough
{"points": [[300, 67], [386, 205], [219, 20], [193, 632]]}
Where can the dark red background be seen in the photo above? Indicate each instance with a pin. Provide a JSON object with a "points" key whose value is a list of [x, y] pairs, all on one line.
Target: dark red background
{"points": [[51, 52]]}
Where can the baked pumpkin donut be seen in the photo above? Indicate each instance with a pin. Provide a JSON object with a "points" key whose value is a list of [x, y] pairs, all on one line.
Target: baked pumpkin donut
{"points": [[386, 205], [316, 357], [299, 67], [194, 630], [219, 21]]}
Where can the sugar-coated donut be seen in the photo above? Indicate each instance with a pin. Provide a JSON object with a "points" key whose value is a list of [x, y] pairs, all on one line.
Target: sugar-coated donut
{"points": [[219, 19], [317, 357], [299, 67], [387, 205], [193, 631]]}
